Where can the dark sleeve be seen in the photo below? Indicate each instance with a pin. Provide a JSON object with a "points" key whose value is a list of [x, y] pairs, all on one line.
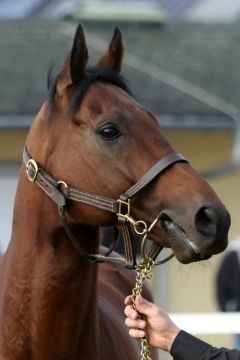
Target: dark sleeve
{"points": [[188, 347]]}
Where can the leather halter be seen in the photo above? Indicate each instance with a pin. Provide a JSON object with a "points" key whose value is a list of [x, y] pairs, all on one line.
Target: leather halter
{"points": [[60, 193]]}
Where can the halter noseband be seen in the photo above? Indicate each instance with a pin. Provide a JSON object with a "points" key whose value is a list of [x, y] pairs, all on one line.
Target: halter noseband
{"points": [[59, 192]]}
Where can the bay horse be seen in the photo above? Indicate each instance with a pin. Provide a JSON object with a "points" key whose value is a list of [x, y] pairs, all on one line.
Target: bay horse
{"points": [[89, 143]]}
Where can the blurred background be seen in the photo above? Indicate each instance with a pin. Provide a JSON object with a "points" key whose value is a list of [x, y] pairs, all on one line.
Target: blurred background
{"points": [[182, 62]]}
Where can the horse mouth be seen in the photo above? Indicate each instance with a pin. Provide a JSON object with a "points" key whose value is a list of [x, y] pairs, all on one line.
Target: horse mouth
{"points": [[183, 248]]}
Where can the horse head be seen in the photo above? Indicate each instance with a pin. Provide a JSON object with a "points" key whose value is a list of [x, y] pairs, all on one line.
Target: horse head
{"points": [[92, 134]]}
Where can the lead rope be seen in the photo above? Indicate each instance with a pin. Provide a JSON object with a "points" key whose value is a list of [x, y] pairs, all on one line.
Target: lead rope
{"points": [[144, 271]]}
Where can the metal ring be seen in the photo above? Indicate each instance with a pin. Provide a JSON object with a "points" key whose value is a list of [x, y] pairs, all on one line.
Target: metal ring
{"points": [[142, 224], [60, 182], [143, 245], [144, 255], [144, 241], [163, 261]]}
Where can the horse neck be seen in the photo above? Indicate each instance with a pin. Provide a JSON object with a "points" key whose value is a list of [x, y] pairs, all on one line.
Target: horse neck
{"points": [[49, 289]]}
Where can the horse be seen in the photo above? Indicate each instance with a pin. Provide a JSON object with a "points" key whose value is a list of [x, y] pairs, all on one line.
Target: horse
{"points": [[90, 143]]}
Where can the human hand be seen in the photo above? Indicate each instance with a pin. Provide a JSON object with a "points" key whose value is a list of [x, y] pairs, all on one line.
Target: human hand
{"points": [[155, 324]]}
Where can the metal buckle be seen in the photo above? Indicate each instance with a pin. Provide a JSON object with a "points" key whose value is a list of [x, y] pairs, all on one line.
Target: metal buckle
{"points": [[140, 227], [31, 170], [123, 205]]}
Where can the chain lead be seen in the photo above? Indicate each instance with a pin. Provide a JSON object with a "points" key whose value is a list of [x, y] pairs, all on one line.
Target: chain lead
{"points": [[144, 271]]}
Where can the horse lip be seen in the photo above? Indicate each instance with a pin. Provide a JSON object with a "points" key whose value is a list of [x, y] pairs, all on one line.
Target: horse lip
{"points": [[177, 237]]}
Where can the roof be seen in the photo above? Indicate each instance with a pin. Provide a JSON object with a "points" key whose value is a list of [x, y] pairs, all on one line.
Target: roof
{"points": [[176, 9], [205, 55], [193, 10]]}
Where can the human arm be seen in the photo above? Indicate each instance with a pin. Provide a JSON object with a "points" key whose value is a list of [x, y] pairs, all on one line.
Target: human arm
{"points": [[164, 334], [188, 347]]}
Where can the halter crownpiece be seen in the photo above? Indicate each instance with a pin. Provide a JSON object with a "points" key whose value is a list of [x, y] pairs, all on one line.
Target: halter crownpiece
{"points": [[60, 192]]}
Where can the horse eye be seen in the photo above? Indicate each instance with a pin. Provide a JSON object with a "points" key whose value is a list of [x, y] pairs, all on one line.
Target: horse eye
{"points": [[109, 132]]}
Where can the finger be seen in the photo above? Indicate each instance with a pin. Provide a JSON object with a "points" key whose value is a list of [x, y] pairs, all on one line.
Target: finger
{"points": [[129, 312], [128, 300], [137, 324], [136, 333], [145, 307]]}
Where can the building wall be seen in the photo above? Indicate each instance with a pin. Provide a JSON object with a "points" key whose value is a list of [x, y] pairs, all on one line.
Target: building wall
{"points": [[8, 183], [11, 145]]}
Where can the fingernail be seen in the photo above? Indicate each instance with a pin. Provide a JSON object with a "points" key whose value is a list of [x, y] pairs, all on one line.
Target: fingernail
{"points": [[140, 299]]}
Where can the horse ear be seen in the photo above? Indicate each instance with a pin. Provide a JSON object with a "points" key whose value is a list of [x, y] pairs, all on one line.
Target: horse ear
{"points": [[112, 58], [75, 62]]}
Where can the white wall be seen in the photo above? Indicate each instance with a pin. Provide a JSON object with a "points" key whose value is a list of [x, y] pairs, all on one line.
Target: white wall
{"points": [[8, 184]]}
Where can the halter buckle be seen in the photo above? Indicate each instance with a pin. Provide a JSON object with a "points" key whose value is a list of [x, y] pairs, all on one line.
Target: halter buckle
{"points": [[140, 227], [31, 170], [123, 208]]}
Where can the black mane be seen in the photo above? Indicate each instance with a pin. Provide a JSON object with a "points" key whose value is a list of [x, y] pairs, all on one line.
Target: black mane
{"points": [[91, 75]]}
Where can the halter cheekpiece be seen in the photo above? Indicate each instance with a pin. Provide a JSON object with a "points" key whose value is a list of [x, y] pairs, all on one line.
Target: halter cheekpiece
{"points": [[60, 192]]}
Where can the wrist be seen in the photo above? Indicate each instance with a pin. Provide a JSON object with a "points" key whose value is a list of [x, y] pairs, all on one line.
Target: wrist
{"points": [[171, 336]]}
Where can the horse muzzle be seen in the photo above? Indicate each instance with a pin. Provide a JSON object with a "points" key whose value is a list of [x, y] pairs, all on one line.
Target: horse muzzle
{"points": [[207, 236]]}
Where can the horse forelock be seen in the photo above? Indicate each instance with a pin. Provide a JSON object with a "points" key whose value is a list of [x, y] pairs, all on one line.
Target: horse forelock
{"points": [[91, 75]]}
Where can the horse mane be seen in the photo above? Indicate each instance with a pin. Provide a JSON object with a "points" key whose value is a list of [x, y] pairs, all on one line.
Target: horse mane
{"points": [[91, 75]]}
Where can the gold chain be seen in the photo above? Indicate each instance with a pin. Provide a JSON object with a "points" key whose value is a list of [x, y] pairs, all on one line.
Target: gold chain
{"points": [[144, 271]]}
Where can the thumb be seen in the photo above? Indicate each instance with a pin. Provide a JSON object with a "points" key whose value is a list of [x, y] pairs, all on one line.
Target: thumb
{"points": [[143, 306]]}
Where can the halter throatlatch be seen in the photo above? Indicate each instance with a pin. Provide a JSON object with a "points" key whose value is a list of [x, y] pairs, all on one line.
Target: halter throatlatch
{"points": [[60, 193]]}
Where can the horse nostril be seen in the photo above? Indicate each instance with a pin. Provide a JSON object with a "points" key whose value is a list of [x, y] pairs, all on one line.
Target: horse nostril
{"points": [[206, 221]]}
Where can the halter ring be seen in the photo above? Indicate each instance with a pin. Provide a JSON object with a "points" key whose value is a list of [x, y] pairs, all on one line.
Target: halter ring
{"points": [[60, 182], [140, 227], [144, 241]]}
